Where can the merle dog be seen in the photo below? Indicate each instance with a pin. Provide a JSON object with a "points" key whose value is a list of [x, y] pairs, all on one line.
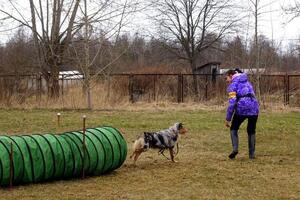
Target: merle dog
{"points": [[164, 139]]}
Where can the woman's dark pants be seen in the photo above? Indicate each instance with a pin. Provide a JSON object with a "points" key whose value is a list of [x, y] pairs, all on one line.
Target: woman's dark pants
{"points": [[251, 128]]}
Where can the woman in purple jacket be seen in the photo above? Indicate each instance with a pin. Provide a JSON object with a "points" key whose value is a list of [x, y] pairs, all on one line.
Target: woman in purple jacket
{"points": [[242, 105]]}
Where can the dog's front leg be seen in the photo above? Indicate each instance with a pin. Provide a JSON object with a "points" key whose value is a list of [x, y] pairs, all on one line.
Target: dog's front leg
{"points": [[172, 154], [136, 155]]}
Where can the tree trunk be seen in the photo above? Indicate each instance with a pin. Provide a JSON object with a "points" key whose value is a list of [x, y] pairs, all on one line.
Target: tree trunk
{"points": [[195, 81], [54, 82], [88, 94], [257, 53], [86, 65], [195, 87]]}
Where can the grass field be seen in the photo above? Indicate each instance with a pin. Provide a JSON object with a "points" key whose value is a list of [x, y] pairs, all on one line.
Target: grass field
{"points": [[203, 170]]}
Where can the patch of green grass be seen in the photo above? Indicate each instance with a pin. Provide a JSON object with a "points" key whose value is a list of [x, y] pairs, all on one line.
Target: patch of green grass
{"points": [[203, 170]]}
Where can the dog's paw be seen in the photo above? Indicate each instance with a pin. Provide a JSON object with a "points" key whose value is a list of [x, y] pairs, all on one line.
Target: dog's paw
{"points": [[174, 161]]}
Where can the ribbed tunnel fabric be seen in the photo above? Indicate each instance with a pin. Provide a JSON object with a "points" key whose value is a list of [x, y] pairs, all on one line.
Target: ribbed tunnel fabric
{"points": [[38, 158]]}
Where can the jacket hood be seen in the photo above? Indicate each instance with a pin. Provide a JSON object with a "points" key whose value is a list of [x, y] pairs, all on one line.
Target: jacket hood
{"points": [[241, 77]]}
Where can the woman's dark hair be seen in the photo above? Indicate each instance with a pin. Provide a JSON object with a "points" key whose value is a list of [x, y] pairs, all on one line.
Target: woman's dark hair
{"points": [[238, 70], [230, 72], [233, 71]]}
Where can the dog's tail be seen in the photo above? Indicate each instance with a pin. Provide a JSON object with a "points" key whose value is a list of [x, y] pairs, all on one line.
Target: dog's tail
{"points": [[137, 145]]}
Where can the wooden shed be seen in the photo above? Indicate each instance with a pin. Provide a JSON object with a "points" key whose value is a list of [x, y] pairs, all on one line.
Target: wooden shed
{"points": [[208, 68], [211, 68]]}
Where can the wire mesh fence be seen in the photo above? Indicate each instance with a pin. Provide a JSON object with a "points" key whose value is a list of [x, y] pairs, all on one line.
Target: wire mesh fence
{"points": [[33, 90]]}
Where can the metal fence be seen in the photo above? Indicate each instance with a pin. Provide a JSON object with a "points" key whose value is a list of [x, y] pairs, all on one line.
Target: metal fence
{"points": [[18, 89], [283, 89]]}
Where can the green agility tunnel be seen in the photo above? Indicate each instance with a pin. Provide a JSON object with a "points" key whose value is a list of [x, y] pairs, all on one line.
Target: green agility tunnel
{"points": [[38, 158]]}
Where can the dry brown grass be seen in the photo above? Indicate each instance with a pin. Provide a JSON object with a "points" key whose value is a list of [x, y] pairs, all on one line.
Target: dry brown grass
{"points": [[203, 170]]}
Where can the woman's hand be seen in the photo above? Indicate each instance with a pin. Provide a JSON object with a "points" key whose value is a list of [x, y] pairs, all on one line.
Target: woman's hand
{"points": [[227, 124]]}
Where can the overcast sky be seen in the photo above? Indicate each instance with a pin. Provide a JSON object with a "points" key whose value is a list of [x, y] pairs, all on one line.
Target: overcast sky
{"points": [[275, 24], [272, 23]]}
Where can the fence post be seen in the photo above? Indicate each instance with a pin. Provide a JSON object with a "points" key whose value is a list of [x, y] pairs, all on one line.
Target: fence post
{"points": [[285, 80], [108, 86], [39, 89], [179, 88], [154, 87], [58, 119], [288, 90], [206, 87], [62, 86], [130, 88], [37, 85], [83, 145]]}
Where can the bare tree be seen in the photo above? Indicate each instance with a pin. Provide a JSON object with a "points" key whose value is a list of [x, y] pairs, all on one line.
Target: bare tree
{"points": [[292, 9], [54, 23], [235, 52], [257, 8], [89, 50], [186, 25], [255, 11], [19, 56]]}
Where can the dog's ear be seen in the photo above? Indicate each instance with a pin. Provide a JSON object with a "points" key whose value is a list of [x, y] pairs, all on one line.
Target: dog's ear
{"points": [[180, 126]]}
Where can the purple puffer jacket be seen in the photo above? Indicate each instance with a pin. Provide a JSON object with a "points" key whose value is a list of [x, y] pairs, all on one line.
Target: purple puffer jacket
{"points": [[241, 97]]}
